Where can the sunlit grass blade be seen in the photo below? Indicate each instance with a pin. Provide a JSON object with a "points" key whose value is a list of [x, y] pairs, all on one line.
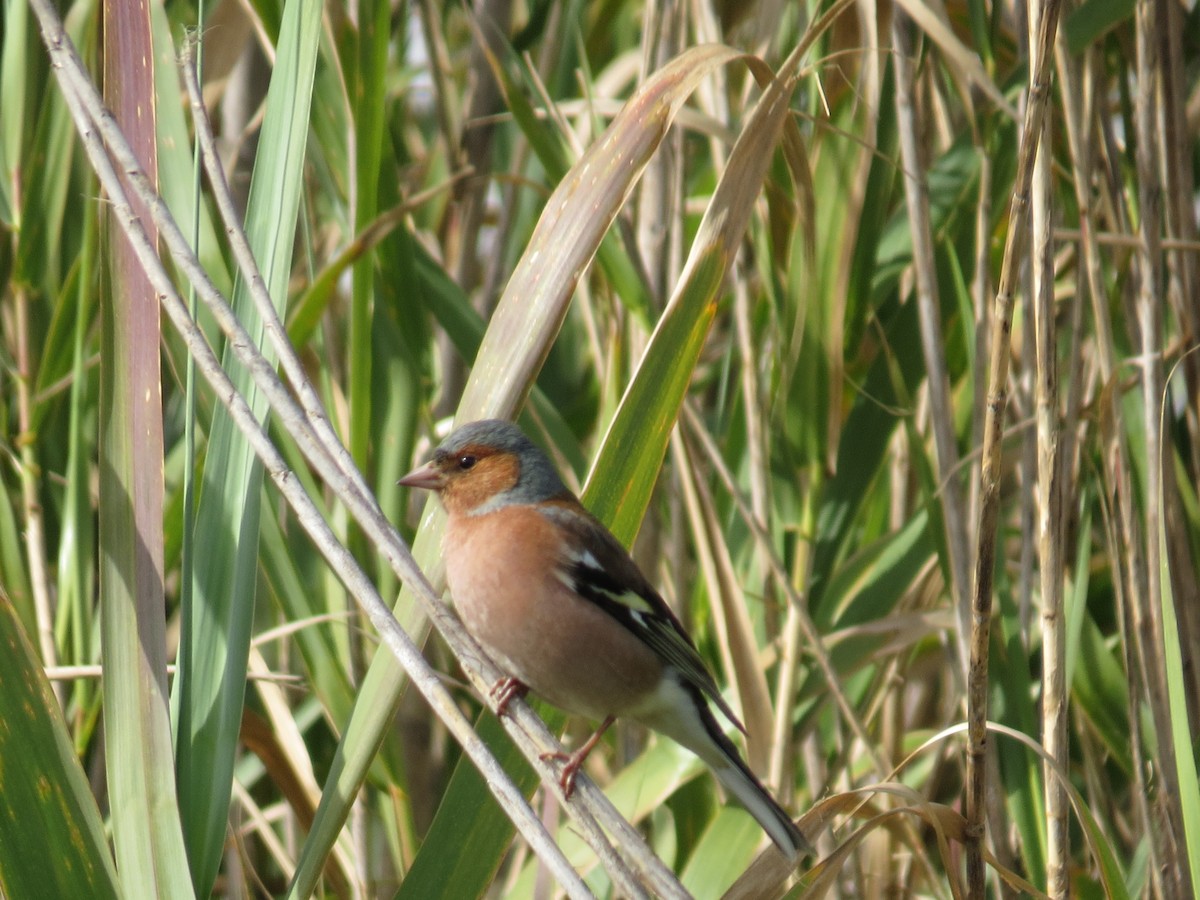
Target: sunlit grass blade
{"points": [[636, 441], [722, 853], [216, 626], [1182, 734]]}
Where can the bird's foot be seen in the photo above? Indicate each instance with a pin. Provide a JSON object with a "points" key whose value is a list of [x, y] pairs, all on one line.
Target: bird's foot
{"points": [[505, 691], [566, 778]]}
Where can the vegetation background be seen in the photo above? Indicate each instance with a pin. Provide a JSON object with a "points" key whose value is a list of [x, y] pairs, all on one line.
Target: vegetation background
{"points": [[903, 417]]}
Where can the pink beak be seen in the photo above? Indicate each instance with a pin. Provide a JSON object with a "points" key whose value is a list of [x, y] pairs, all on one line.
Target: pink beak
{"points": [[428, 477]]}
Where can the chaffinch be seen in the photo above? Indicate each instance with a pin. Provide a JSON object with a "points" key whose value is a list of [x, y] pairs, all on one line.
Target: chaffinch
{"points": [[559, 603]]}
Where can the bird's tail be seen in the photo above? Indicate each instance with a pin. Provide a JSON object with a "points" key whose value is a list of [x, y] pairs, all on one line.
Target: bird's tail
{"points": [[683, 714], [737, 778]]}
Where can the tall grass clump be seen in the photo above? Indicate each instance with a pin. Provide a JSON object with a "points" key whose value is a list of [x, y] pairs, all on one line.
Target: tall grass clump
{"points": [[871, 330]]}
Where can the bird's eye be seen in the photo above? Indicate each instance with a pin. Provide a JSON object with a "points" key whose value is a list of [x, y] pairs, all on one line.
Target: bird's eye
{"points": [[466, 461]]}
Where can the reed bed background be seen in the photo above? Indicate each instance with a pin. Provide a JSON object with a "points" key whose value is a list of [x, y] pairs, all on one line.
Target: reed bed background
{"points": [[871, 328]]}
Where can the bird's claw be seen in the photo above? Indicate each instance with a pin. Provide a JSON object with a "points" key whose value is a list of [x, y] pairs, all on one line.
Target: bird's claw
{"points": [[573, 761], [505, 691]]}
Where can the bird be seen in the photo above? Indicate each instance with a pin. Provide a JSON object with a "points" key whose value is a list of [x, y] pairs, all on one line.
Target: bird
{"points": [[563, 609]]}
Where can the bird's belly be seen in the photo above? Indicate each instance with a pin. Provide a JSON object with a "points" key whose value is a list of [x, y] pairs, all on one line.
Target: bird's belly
{"points": [[565, 648]]}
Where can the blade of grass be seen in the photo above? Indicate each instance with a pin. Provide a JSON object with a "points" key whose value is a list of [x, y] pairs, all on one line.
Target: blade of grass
{"points": [[216, 623], [369, 88], [636, 441], [47, 800], [725, 849], [147, 833], [1181, 736], [43, 199], [14, 73], [77, 541]]}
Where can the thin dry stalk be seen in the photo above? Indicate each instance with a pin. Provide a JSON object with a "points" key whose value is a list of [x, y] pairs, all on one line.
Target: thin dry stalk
{"points": [[35, 536], [1147, 608], [753, 403], [659, 234], [941, 412], [989, 478], [791, 651], [1126, 527], [1049, 512], [1027, 465], [1078, 94], [981, 292]]}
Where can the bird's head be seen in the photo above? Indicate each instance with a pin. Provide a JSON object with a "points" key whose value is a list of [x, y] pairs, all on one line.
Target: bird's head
{"points": [[484, 465]]}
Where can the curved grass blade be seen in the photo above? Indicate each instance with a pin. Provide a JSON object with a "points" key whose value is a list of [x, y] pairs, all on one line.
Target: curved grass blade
{"points": [[636, 441]]}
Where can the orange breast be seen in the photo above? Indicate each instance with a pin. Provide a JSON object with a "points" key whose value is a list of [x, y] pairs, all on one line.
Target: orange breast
{"points": [[499, 568]]}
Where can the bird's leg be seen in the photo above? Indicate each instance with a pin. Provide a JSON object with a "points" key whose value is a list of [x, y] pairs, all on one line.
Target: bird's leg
{"points": [[505, 691], [575, 760]]}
